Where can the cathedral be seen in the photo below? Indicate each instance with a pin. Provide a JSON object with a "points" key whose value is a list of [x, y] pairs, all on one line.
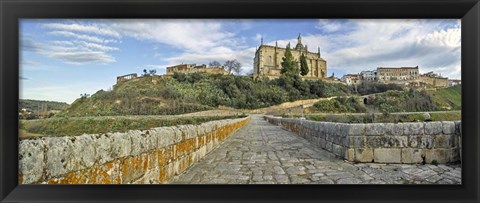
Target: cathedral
{"points": [[268, 60]]}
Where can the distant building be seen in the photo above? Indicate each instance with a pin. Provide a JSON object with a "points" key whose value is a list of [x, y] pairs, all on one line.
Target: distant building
{"points": [[268, 60], [352, 79], [193, 68], [124, 78], [434, 79], [454, 82], [399, 74], [369, 75]]}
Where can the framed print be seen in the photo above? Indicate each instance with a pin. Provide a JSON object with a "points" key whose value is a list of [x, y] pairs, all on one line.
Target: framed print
{"points": [[239, 101]]}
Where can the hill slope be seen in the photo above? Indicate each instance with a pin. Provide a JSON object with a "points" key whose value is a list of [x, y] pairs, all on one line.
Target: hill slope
{"points": [[448, 98], [153, 95], [35, 105]]}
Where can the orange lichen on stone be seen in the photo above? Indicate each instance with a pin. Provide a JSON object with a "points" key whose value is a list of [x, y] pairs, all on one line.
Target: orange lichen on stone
{"points": [[20, 178], [129, 166], [162, 175], [152, 159], [103, 174]]}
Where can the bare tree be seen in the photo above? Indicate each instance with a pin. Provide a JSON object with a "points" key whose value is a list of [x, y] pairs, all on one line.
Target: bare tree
{"points": [[233, 65], [153, 71], [214, 64]]}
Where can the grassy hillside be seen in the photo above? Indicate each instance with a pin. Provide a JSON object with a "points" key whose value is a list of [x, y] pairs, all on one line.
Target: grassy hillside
{"points": [[448, 98], [34, 109], [36, 105], [185, 93], [339, 105], [92, 125], [396, 101]]}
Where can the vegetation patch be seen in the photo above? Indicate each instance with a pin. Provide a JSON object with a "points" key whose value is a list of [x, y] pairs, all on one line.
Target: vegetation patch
{"points": [[79, 126], [385, 118], [186, 93], [339, 105], [448, 98], [403, 101]]}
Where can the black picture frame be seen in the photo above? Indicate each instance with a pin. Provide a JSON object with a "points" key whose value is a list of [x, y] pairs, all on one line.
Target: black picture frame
{"points": [[13, 10]]}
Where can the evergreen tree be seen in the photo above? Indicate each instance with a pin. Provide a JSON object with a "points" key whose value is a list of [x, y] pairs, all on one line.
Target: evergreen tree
{"points": [[288, 63], [303, 65]]}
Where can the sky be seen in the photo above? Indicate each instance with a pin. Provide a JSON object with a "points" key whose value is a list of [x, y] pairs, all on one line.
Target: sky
{"points": [[61, 58]]}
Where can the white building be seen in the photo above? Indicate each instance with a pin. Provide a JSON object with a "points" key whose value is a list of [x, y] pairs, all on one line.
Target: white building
{"points": [[352, 79], [369, 75]]}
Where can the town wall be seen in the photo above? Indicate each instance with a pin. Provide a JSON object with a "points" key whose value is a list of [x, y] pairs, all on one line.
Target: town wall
{"points": [[134, 157], [410, 143]]}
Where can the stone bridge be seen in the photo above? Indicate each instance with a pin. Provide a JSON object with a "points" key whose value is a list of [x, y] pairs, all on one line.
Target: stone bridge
{"points": [[264, 153], [241, 151]]}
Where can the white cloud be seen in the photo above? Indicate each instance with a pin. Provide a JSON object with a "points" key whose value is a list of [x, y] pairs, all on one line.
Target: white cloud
{"points": [[77, 36], [188, 35], [93, 46], [71, 52], [91, 29], [393, 43]]}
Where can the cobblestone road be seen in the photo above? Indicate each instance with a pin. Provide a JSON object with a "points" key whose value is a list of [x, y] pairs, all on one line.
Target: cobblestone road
{"points": [[262, 153]]}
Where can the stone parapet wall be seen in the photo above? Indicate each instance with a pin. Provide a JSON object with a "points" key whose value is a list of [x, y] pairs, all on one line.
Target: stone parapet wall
{"points": [[411, 143], [134, 157]]}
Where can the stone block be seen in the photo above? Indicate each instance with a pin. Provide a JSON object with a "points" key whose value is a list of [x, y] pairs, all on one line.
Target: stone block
{"points": [[364, 155], [103, 148], [458, 128], [108, 173], [151, 176], [444, 141], [165, 137], [350, 155], [31, 160], [152, 141], [59, 153], [356, 129], [121, 144], [320, 128], [375, 141], [448, 127], [338, 150], [412, 156], [374, 129], [413, 129], [439, 155], [356, 141], [383, 155], [433, 128], [389, 128], [189, 131], [134, 167], [178, 135], [322, 143], [422, 141], [396, 141], [329, 146], [339, 129], [337, 139], [83, 151], [139, 142], [397, 129], [455, 156], [329, 137]]}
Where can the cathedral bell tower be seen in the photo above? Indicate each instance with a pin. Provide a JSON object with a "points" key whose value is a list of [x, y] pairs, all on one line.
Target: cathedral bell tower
{"points": [[299, 43]]}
